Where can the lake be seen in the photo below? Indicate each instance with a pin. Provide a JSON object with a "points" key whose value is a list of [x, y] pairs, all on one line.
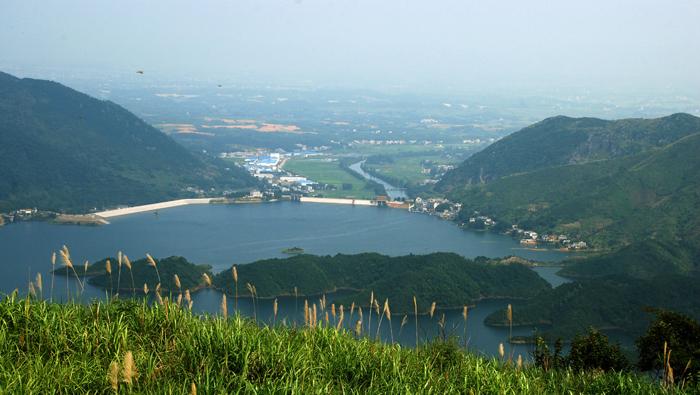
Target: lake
{"points": [[221, 235]]}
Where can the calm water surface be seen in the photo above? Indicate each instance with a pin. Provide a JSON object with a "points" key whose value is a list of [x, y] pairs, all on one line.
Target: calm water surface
{"points": [[220, 235]]}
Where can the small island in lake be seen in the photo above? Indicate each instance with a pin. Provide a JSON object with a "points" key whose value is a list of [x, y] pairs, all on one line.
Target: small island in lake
{"points": [[293, 251]]}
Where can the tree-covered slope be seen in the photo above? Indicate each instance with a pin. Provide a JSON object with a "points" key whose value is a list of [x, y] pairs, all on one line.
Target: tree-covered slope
{"points": [[63, 150], [562, 140], [445, 278], [615, 202], [616, 302]]}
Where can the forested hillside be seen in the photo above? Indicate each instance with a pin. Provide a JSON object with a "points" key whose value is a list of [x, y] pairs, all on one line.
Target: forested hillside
{"points": [[63, 150]]}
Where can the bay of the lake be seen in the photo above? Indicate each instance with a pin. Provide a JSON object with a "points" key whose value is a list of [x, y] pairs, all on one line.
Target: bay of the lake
{"points": [[221, 235]]}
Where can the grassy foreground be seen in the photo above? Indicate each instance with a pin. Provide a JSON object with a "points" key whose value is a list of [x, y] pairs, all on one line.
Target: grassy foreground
{"points": [[46, 348]]}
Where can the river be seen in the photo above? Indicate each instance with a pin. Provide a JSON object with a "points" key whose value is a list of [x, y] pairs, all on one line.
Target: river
{"points": [[393, 192], [221, 235]]}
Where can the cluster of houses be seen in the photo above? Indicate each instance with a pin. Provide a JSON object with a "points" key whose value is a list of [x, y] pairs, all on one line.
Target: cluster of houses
{"points": [[532, 238], [442, 208], [480, 221]]}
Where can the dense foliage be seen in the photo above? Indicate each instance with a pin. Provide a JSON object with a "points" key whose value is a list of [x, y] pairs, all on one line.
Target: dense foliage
{"points": [[677, 333], [448, 279], [127, 346], [63, 150], [562, 141], [611, 302]]}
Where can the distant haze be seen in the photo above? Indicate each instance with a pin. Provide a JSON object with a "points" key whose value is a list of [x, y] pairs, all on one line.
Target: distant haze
{"points": [[436, 44]]}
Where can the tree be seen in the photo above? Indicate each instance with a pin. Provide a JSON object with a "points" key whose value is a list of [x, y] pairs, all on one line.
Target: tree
{"points": [[681, 334], [593, 351]]}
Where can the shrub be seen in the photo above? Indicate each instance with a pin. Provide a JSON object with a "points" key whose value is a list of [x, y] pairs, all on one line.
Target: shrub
{"points": [[594, 351]]}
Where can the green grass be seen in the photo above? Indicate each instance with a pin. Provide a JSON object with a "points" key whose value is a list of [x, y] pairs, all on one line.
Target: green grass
{"points": [[407, 169], [330, 172], [54, 348]]}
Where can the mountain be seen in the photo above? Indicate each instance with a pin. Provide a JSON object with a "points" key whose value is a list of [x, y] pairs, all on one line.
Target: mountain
{"points": [[563, 141], [63, 150], [615, 202]]}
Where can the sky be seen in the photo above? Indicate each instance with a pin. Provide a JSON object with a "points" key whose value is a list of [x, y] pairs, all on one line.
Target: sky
{"points": [[463, 44]]}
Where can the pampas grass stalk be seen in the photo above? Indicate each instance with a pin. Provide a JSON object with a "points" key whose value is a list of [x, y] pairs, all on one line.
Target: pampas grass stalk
{"points": [[234, 273], [381, 316], [127, 262], [404, 321], [207, 279], [387, 312], [108, 268], [119, 271], [224, 306], [65, 257], [129, 368], [415, 314], [432, 309], [152, 263], [251, 289], [465, 315], [369, 320], [53, 269], [509, 316], [340, 319], [113, 375], [40, 285], [274, 312], [306, 312]]}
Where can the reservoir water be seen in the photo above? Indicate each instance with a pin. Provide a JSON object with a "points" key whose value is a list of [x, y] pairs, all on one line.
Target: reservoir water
{"points": [[221, 235]]}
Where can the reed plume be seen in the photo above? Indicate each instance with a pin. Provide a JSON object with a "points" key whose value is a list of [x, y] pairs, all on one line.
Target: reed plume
{"points": [[207, 279], [53, 270], [178, 284], [234, 273], [333, 312], [369, 320], [380, 315], [129, 368], [193, 389], [326, 317], [501, 351], [415, 314], [113, 375], [465, 315], [32, 290], [152, 263], [224, 306], [145, 289], [306, 312], [179, 300], [85, 270], [314, 316], [404, 321], [65, 257], [190, 302], [519, 363], [432, 309], [108, 268], [340, 319], [274, 312], [119, 271], [127, 263], [40, 285], [358, 328], [352, 309], [387, 312], [251, 289], [509, 317]]}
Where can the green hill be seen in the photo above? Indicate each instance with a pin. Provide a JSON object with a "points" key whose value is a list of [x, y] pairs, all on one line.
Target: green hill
{"points": [[63, 150], [611, 203], [562, 141], [615, 302], [54, 348], [449, 279]]}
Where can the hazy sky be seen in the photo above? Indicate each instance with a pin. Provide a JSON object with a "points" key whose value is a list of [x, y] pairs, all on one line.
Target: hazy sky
{"points": [[420, 43]]}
